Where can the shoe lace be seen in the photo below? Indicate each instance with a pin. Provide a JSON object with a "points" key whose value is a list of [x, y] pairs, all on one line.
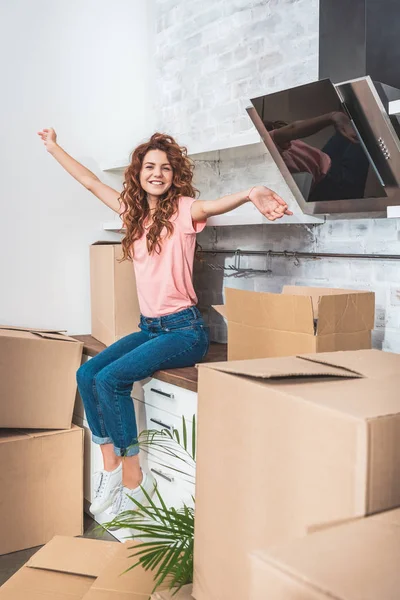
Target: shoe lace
{"points": [[99, 482], [118, 502]]}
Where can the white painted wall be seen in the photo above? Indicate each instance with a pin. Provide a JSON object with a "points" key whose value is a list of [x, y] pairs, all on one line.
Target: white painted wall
{"points": [[85, 68]]}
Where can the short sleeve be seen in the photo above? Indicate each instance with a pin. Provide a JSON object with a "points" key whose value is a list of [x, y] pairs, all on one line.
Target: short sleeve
{"points": [[184, 218]]}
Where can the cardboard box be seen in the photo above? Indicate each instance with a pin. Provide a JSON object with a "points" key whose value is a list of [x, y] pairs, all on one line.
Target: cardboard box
{"points": [[299, 320], [114, 302], [41, 486], [78, 568], [37, 378], [358, 560], [286, 446], [185, 593]]}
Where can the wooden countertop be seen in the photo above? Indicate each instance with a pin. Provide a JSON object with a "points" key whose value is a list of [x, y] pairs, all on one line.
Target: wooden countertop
{"points": [[185, 378]]}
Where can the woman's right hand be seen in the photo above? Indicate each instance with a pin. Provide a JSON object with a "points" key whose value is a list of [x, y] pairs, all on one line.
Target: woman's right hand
{"points": [[342, 124], [49, 137]]}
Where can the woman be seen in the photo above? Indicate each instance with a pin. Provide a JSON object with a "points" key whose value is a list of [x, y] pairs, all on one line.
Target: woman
{"points": [[162, 217]]}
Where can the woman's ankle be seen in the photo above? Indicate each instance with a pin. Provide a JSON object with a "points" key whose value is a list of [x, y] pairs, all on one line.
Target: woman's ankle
{"points": [[111, 465], [132, 475], [110, 460]]}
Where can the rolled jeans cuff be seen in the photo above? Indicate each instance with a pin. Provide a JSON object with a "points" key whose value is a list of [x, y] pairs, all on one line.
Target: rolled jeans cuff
{"points": [[132, 450], [100, 440]]}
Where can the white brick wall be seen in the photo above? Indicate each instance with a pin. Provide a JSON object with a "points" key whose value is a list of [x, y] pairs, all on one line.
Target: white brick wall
{"points": [[212, 56]]}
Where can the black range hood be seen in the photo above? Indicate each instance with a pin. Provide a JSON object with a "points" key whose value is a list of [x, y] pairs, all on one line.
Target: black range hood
{"points": [[337, 141]]}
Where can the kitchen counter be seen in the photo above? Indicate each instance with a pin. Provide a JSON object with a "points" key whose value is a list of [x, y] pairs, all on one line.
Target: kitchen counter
{"points": [[185, 378]]}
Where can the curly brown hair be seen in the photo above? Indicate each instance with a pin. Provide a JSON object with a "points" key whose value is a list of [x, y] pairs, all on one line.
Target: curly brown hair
{"points": [[134, 201]]}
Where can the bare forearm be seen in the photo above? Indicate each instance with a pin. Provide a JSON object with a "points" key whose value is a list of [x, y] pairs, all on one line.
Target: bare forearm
{"points": [[72, 166], [302, 129], [202, 209]]}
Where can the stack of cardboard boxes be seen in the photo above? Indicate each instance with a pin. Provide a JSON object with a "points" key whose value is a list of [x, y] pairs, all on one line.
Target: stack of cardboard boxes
{"points": [[41, 452], [298, 442], [295, 451]]}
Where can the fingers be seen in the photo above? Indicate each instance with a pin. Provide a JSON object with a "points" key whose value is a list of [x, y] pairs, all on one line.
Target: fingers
{"points": [[277, 213], [273, 215], [279, 199]]}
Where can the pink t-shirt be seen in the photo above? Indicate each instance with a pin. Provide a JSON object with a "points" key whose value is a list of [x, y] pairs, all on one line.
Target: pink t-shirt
{"points": [[300, 157], [164, 281]]}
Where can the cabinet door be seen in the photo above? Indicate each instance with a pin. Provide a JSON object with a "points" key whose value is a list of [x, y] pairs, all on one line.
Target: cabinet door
{"points": [[175, 488], [171, 398], [163, 449]]}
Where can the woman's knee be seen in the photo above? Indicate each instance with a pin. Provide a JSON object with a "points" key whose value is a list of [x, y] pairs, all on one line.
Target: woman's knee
{"points": [[106, 381], [85, 374]]}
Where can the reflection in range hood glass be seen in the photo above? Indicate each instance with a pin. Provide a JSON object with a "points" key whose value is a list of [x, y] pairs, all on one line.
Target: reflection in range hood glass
{"points": [[336, 145]]}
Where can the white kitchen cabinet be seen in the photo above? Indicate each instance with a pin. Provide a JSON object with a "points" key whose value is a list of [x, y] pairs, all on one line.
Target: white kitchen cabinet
{"points": [[163, 407], [171, 398]]}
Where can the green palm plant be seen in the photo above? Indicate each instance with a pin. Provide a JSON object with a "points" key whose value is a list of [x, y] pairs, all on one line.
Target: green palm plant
{"points": [[166, 533]]}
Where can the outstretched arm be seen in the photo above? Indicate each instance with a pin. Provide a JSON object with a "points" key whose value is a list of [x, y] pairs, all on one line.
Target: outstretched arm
{"points": [[267, 202], [301, 129], [89, 180]]}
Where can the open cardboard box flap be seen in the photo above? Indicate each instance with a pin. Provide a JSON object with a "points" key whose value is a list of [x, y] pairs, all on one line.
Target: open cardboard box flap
{"points": [[78, 556], [296, 308], [287, 367], [367, 363], [367, 369], [32, 329], [81, 569], [264, 310], [27, 332], [221, 310], [338, 310]]}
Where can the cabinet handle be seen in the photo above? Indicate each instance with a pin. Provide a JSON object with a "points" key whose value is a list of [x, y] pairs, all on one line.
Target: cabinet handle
{"points": [[165, 394], [157, 422], [163, 475]]}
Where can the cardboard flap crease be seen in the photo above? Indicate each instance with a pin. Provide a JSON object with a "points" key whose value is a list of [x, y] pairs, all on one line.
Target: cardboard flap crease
{"points": [[54, 336], [369, 363], [79, 556], [32, 329], [282, 367]]}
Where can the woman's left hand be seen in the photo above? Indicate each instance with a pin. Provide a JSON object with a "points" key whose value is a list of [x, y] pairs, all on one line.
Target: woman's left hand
{"points": [[268, 203]]}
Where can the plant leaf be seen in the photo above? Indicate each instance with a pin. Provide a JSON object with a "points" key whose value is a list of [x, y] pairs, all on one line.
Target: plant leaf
{"points": [[184, 432]]}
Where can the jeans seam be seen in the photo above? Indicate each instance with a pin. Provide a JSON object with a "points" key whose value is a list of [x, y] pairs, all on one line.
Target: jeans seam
{"points": [[98, 408], [115, 384], [118, 415]]}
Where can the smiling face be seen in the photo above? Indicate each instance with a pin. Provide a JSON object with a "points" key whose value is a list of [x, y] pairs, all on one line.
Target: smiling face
{"points": [[156, 173]]}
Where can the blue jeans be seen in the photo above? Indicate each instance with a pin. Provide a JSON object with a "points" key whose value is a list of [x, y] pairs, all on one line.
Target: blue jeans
{"points": [[105, 381]]}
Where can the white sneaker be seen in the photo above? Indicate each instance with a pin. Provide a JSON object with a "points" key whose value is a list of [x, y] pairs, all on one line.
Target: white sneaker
{"points": [[105, 484], [122, 502]]}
